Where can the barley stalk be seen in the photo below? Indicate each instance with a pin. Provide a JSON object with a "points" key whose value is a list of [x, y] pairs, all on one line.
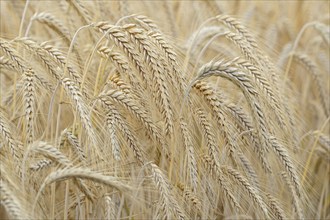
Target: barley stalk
{"points": [[7, 135], [192, 164], [53, 23], [158, 73], [11, 203], [113, 115], [213, 165], [253, 193], [29, 96], [168, 202], [134, 107], [41, 164]]}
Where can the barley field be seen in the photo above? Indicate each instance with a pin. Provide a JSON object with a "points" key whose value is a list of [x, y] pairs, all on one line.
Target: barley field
{"points": [[164, 109]]}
